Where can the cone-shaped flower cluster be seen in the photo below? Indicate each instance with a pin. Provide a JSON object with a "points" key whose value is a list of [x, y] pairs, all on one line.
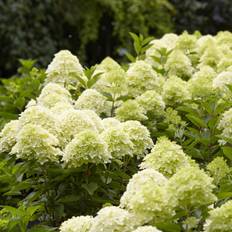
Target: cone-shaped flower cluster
{"points": [[150, 198], [55, 128], [74, 124], [166, 157], [220, 219]]}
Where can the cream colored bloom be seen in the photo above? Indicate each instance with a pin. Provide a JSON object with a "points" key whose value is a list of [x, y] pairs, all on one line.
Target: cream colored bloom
{"points": [[222, 80], [178, 64], [42, 116], [190, 188], [73, 122], [139, 136], [175, 91], [86, 147], [146, 196], [166, 157], [201, 83], [141, 77], [77, 224], [8, 136], [147, 229], [64, 68], [91, 99], [151, 102], [36, 143], [225, 125], [130, 110], [220, 219], [113, 78], [113, 219], [218, 169], [118, 141], [53, 94]]}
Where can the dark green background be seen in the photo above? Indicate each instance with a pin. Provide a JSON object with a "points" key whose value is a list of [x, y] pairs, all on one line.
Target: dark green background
{"points": [[93, 29]]}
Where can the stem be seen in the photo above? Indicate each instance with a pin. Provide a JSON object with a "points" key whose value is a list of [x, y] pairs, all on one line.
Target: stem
{"points": [[112, 109]]}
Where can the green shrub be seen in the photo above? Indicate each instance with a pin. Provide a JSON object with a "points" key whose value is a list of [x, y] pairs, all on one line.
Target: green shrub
{"points": [[141, 147]]}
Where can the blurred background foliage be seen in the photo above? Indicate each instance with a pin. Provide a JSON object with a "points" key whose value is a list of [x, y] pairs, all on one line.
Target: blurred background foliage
{"points": [[93, 29], [207, 16]]}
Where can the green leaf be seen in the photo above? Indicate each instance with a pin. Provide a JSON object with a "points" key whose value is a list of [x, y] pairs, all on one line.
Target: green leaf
{"points": [[140, 37], [90, 187], [147, 40], [94, 79], [156, 59], [137, 47], [8, 115], [82, 82], [230, 87], [169, 227], [196, 121], [130, 57], [15, 190], [41, 228], [144, 48], [69, 198], [195, 153], [134, 36], [32, 209], [223, 195], [108, 96], [20, 103], [227, 152]]}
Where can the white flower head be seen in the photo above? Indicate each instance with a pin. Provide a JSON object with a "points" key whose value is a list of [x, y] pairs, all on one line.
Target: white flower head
{"points": [[36, 143], [91, 99], [8, 135], [64, 68], [86, 147], [113, 219], [53, 94], [77, 224], [146, 196], [146, 229]]}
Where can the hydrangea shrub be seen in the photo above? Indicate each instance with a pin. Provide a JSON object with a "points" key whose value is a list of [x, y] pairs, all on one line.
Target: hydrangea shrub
{"points": [[143, 147]]}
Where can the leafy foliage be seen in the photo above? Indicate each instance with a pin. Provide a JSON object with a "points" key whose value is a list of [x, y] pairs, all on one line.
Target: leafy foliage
{"points": [[16, 91], [29, 29], [77, 149], [206, 16]]}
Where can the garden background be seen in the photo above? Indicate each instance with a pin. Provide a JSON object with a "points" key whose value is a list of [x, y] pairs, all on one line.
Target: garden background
{"points": [[94, 29], [135, 104]]}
